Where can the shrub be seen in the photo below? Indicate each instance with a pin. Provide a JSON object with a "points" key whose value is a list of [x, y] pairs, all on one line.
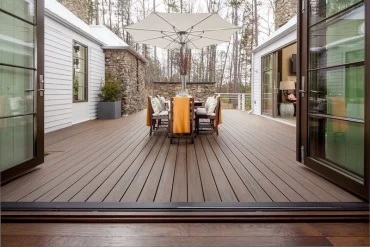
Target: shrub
{"points": [[110, 91]]}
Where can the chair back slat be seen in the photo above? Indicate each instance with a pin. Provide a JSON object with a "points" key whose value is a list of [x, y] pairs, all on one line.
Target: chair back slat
{"points": [[218, 108], [150, 106]]}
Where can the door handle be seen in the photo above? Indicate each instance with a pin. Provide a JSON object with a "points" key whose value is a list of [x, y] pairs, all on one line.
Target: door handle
{"points": [[28, 90], [302, 91], [41, 90]]}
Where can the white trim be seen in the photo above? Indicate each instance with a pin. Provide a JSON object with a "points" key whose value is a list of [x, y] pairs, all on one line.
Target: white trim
{"points": [[275, 38], [74, 28], [280, 120]]}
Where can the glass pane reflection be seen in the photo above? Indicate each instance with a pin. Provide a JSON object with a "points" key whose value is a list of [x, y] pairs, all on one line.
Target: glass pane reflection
{"points": [[16, 141], [339, 142], [321, 9], [16, 42], [339, 40], [338, 92]]}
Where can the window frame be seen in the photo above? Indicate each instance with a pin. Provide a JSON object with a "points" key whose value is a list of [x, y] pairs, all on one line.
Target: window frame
{"points": [[86, 59]]}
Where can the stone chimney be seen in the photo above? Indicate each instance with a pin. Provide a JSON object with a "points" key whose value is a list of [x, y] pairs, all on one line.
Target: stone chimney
{"points": [[78, 7], [284, 11]]}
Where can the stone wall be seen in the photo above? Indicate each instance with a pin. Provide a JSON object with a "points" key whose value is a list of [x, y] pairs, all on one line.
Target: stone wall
{"points": [[122, 65], [200, 90], [284, 11], [78, 7]]}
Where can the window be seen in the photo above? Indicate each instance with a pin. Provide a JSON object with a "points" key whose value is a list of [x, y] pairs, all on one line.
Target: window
{"points": [[79, 72]]}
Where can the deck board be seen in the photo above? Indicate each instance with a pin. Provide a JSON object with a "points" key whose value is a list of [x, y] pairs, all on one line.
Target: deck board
{"points": [[253, 159], [180, 183]]}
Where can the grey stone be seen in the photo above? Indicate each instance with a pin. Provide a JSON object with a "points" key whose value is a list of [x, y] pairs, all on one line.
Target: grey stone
{"points": [[124, 66]]}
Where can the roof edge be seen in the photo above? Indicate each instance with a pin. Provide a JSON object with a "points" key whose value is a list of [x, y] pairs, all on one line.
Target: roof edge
{"points": [[78, 30], [130, 49], [275, 38]]}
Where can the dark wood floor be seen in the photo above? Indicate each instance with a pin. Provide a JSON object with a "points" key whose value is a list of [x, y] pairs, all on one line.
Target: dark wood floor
{"points": [[253, 159], [192, 234]]}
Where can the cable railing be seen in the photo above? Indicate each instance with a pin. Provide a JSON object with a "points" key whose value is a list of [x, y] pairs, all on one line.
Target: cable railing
{"points": [[235, 101]]}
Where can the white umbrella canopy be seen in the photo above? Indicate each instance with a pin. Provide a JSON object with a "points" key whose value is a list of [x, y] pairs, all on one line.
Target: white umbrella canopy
{"points": [[176, 31]]}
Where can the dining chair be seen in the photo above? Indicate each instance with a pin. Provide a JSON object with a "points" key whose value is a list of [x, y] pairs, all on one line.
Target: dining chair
{"points": [[157, 121], [214, 117], [171, 122]]}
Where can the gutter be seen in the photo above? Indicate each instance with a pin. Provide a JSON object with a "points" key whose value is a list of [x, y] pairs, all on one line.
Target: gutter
{"points": [[275, 38], [78, 30]]}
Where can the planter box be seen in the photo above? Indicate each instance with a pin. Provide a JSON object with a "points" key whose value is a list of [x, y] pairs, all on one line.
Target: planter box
{"points": [[109, 110]]}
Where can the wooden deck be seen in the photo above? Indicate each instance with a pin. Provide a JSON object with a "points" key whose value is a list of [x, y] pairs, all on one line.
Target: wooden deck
{"points": [[252, 160], [185, 234]]}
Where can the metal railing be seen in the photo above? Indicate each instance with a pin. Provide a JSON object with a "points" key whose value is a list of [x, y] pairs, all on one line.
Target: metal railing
{"points": [[236, 101]]}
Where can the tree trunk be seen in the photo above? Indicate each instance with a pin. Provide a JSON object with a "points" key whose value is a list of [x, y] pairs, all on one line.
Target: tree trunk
{"points": [[236, 53], [255, 22], [103, 10], [155, 48], [110, 13], [97, 12], [224, 66]]}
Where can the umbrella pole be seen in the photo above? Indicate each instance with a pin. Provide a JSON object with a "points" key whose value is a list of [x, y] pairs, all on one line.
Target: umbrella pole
{"points": [[183, 69]]}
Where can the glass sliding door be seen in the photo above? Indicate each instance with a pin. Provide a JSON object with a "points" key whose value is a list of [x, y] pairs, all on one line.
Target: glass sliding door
{"points": [[21, 86], [334, 106], [268, 85]]}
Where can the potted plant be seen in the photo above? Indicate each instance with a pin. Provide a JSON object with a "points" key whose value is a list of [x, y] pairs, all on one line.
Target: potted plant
{"points": [[109, 106], [75, 89]]}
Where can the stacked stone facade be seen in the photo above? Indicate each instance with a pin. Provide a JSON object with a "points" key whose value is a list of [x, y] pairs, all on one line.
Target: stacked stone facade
{"points": [[200, 90], [123, 66], [79, 8], [284, 11]]}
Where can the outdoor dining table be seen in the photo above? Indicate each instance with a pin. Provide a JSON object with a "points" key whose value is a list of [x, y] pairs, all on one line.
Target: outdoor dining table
{"points": [[197, 103]]}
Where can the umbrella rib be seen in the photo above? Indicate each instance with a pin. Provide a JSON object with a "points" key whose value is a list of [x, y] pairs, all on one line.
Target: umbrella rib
{"points": [[196, 38], [174, 28], [193, 44], [209, 38], [169, 36], [151, 39], [215, 30], [167, 22], [205, 18], [150, 30], [168, 45]]}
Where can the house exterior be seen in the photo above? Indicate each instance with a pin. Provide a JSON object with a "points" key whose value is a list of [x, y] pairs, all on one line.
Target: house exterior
{"points": [[75, 67], [280, 39]]}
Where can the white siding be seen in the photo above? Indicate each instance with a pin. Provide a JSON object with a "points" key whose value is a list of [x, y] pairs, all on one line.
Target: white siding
{"points": [[96, 75], [59, 106], [257, 57]]}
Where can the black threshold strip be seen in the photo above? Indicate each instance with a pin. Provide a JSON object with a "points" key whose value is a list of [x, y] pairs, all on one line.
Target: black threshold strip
{"points": [[184, 206]]}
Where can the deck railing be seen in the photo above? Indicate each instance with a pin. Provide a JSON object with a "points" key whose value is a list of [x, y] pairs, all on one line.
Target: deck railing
{"points": [[237, 101]]}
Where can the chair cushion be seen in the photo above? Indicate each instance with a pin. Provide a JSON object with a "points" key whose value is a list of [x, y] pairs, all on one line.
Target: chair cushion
{"points": [[201, 111], [208, 101], [156, 105], [163, 113], [162, 100], [212, 106]]}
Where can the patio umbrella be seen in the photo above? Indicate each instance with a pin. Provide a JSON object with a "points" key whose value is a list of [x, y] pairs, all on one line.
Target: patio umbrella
{"points": [[182, 31]]}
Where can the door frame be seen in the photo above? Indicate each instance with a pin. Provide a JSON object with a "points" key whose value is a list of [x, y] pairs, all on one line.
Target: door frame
{"points": [[274, 83], [16, 171], [302, 153]]}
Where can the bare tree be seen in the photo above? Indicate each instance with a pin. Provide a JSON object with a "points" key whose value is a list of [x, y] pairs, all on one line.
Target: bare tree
{"points": [[97, 12]]}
